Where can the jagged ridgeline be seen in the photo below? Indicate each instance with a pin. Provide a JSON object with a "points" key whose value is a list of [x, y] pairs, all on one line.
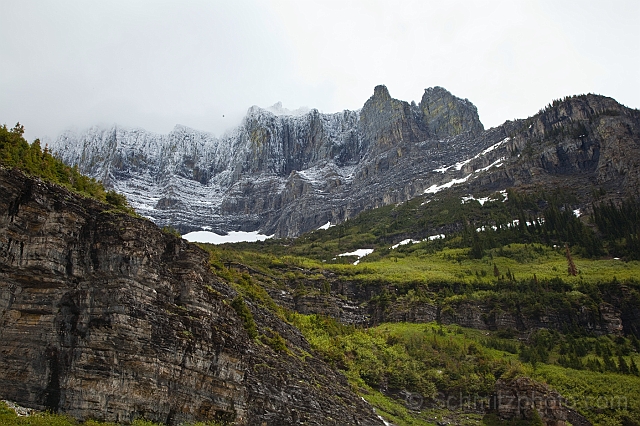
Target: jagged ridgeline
{"points": [[277, 173], [286, 174]]}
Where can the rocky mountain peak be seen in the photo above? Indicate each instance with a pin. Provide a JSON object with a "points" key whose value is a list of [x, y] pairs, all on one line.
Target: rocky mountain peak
{"points": [[381, 92], [386, 121], [590, 138], [446, 115], [569, 112]]}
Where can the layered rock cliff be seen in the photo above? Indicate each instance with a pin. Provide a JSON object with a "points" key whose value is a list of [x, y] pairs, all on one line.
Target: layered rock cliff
{"points": [[358, 304], [580, 143], [104, 316]]}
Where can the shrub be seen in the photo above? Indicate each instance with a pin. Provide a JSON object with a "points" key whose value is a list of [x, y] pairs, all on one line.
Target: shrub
{"points": [[245, 315]]}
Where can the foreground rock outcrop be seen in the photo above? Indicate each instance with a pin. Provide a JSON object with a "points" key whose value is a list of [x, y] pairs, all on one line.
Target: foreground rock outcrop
{"points": [[524, 399], [104, 316]]}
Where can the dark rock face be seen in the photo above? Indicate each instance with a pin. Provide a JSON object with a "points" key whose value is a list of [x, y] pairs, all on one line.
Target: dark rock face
{"points": [[446, 116], [604, 320], [356, 304], [104, 316], [583, 142], [523, 398]]}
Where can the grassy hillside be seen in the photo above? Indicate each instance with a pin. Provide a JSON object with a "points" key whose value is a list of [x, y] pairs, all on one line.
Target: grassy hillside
{"points": [[414, 373], [8, 417], [528, 255], [554, 218]]}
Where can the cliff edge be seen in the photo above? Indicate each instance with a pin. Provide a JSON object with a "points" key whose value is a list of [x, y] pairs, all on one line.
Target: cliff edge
{"points": [[104, 316]]}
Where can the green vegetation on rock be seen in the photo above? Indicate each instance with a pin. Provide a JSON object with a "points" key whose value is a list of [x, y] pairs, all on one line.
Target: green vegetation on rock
{"points": [[506, 259], [414, 374], [245, 315], [8, 417], [16, 152]]}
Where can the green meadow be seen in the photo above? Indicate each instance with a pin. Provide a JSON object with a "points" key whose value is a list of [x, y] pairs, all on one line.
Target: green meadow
{"points": [[550, 261]]}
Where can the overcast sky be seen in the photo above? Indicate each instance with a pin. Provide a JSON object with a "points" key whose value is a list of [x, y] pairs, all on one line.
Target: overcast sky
{"points": [[155, 64]]}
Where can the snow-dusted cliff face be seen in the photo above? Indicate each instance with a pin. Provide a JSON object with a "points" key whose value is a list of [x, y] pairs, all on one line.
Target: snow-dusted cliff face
{"points": [[280, 172], [285, 173]]}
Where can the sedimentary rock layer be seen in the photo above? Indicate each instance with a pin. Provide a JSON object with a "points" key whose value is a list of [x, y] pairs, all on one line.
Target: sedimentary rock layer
{"points": [[102, 315]]}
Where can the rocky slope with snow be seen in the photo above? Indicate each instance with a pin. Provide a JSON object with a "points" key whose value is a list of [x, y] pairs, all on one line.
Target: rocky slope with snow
{"points": [[286, 173]]}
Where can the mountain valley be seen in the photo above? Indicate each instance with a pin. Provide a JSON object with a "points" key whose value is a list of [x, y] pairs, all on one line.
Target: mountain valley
{"points": [[423, 270]]}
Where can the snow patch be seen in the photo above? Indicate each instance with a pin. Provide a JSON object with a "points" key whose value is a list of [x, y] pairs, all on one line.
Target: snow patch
{"points": [[231, 237], [480, 200], [496, 163], [317, 175], [577, 213], [386, 423], [485, 199], [403, 242], [484, 228], [512, 224], [326, 226], [360, 253], [459, 165], [411, 241], [433, 189]]}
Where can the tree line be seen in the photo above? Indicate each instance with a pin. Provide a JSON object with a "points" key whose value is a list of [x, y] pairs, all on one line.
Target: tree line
{"points": [[612, 229]]}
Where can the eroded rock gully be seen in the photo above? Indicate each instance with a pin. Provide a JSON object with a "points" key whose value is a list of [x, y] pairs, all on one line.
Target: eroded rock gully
{"points": [[104, 316]]}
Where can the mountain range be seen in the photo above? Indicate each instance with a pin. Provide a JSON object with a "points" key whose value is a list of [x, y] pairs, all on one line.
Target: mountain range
{"points": [[286, 173], [398, 312]]}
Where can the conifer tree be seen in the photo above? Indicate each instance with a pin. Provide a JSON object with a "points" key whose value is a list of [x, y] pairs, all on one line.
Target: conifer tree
{"points": [[609, 364], [571, 268], [622, 365]]}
